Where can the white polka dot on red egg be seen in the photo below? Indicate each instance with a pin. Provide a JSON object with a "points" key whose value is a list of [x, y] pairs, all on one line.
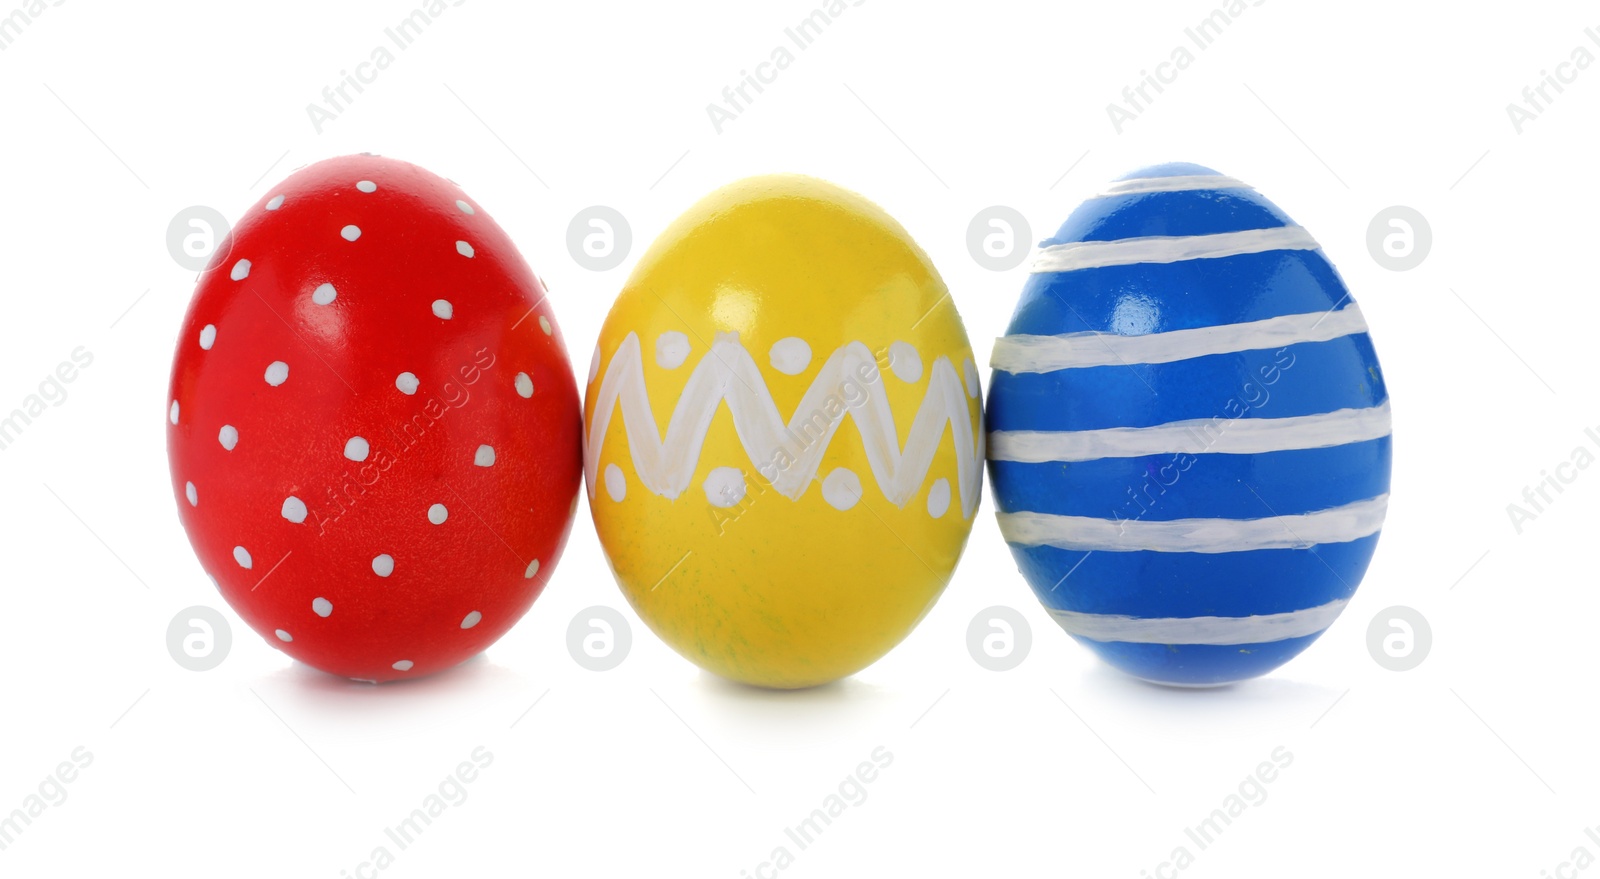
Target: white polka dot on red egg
{"points": [[191, 494], [544, 324], [484, 456], [524, 385], [350, 233], [172, 413], [242, 556], [228, 436], [471, 619], [275, 203], [533, 568], [437, 514], [322, 607], [464, 249], [324, 294], [402, 665], [208, 336], [277, 373], [284, 636], [465, 208], [241, 270], [443, 309], [367, 186], [383, 565], [294, 509], [356, 448], [407, 383]]}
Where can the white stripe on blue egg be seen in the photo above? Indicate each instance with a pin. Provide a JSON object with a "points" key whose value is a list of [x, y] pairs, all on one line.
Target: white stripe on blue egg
{"points": [[1208, 631], [1246, 437], [1091, 534], [1172, 183], [1189, 432], [1029, 353], [1073, 255]]}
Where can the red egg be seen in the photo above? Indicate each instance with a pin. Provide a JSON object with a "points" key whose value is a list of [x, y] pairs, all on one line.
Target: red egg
{"points": [[373, 424]]}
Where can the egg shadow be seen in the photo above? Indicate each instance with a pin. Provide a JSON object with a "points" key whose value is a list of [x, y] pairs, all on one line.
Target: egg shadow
{"points": [[1269, 694], [797, 710], [468, 686]]}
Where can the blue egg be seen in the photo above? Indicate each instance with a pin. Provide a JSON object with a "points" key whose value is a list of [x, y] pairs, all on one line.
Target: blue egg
{"points": [[1189, 437]]}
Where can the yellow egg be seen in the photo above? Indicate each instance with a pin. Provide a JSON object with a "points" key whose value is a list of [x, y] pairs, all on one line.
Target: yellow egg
{"points": [[783, 437]]}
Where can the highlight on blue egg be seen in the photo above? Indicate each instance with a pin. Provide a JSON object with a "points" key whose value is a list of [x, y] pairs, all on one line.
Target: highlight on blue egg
{"points": [[1189, 438]]}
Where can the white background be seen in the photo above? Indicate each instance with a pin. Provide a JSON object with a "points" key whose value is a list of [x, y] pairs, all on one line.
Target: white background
{"points": [[1479, 762]]}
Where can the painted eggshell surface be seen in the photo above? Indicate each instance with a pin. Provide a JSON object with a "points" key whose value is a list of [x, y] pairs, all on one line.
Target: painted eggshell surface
{"points": [[1189, 432], [374, 433], [783, 426]]}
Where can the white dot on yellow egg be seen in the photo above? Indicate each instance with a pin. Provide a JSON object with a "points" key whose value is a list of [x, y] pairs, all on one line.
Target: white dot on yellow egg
{"points": [[790, 356], [905, 362], [939, 498], [616, 484], [724, 486], [672, 348], [841, 489]]}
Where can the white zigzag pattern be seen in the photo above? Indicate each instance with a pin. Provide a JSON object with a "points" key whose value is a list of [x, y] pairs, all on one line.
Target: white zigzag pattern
{"points": [[729, 373]]}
